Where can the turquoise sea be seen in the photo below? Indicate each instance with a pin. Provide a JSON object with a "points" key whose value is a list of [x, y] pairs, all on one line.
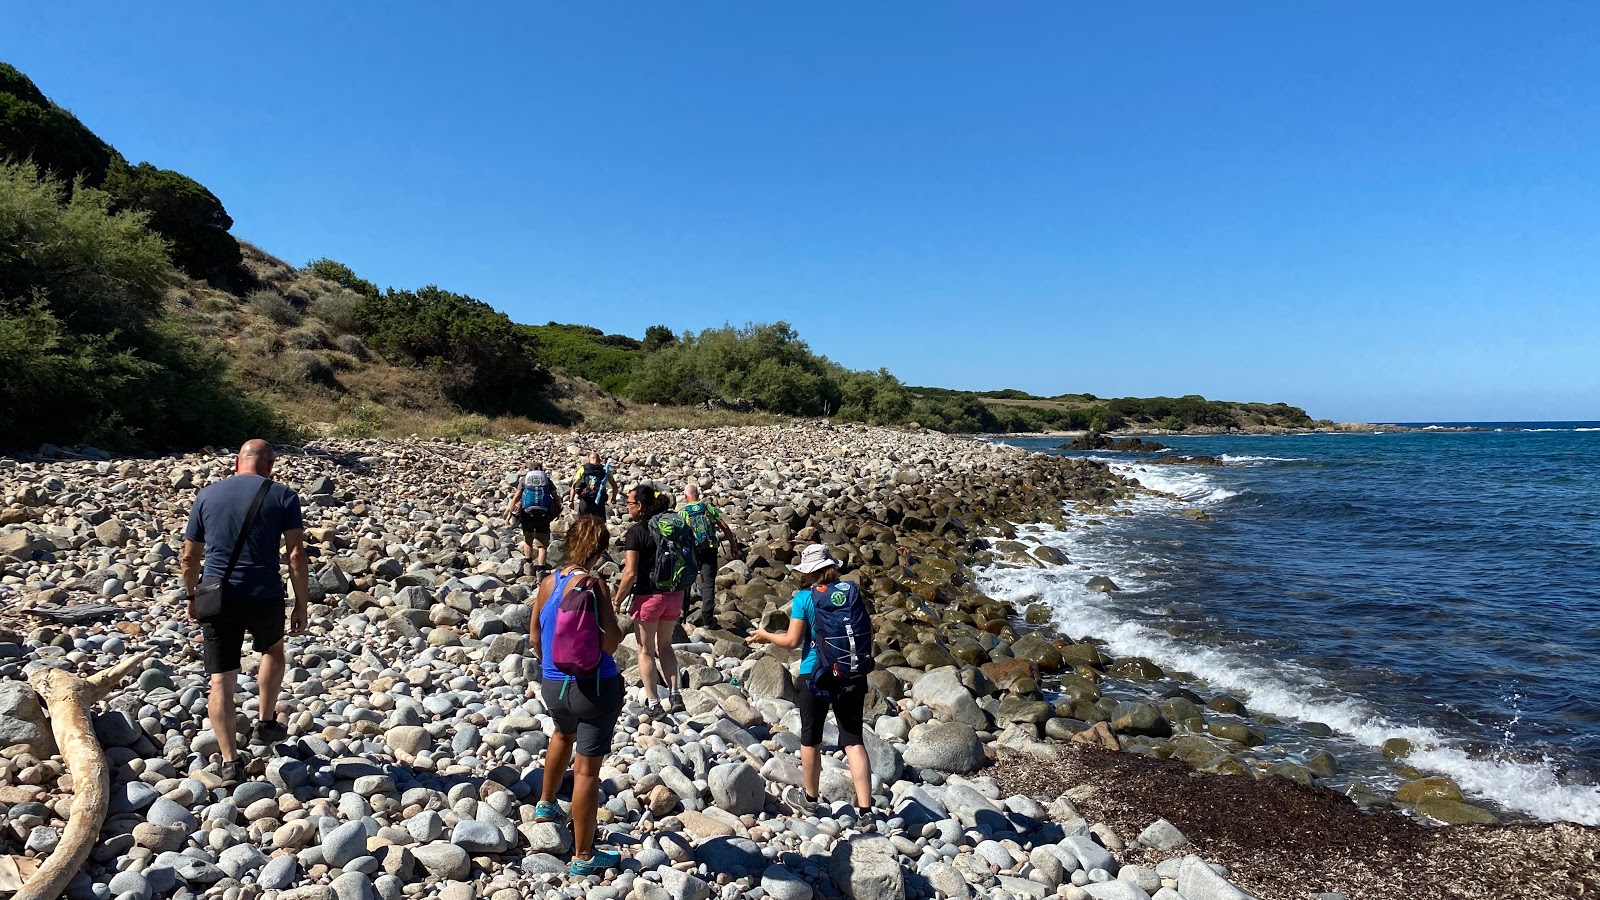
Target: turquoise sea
{"points": [[1438, 586]]}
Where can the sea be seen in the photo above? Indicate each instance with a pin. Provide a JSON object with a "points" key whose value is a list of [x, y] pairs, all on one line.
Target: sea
{"points": [[1439, 586]]}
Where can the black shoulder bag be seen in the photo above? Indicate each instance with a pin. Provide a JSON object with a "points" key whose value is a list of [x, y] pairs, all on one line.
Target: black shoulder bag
{"points": [[211, 592]]}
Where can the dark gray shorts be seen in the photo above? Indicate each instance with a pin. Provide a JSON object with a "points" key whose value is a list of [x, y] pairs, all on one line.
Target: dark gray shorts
{"points": [[588, 707]]}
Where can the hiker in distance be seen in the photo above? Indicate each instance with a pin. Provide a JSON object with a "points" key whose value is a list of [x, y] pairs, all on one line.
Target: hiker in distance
{"points": [[590, 485], [576, 631], [830, 622], [658, 563], [703, 518], [231, 581], [534, 505]]}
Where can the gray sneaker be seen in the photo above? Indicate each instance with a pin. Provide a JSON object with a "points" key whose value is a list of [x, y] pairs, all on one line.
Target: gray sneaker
{"points": [[797, 801]]}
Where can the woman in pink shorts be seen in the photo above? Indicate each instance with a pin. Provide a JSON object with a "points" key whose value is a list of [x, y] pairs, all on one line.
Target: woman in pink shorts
{"points": [[655, 613]]}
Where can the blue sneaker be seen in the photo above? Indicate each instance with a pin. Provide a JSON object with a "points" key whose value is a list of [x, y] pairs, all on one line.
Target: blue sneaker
{"points": [[596, 864], [547, 811]]}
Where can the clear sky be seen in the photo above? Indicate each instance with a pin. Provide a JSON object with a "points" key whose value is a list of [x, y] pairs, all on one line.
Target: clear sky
{"points": [[1377, 211]]}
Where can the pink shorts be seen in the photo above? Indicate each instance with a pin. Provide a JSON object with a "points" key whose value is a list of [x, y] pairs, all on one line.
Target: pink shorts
{"points": [[658, 607]]}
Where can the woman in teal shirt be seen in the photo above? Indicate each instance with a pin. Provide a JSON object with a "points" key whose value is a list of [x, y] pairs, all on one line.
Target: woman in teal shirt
{"points": [[846, 697]]}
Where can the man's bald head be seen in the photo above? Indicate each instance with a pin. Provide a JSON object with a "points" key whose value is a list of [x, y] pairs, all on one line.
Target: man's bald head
{"points": [[691, 493], [255, 458]]}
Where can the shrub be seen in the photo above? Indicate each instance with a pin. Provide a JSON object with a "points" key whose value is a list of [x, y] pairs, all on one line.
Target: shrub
{"points": [[34, 129], [272, 306], [353, 345], [308, 337], [472, 427], [337, 310], [606, 360], [656, 337], [184, 212], [342, 275], [480, 359]]}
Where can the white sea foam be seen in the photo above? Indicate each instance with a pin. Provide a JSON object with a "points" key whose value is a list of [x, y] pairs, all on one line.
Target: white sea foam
{"points": [[1282, 688], [1188, 485], [1586, 429], [1253, 460]]}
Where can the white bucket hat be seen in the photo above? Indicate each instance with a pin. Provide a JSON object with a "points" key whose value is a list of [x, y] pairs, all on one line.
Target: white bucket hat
{"points": [[814, 558]]}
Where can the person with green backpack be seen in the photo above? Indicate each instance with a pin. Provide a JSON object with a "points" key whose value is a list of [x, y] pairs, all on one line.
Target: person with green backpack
{"points": [[703, 518], [658, 563]]}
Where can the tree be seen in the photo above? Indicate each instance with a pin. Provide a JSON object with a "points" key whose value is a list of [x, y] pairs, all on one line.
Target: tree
{"points": [[184, 212], [656, 337], [33, 128]]}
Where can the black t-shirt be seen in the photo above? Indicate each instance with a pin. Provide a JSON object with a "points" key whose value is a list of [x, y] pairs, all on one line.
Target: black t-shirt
{"points": [[638, 538]]}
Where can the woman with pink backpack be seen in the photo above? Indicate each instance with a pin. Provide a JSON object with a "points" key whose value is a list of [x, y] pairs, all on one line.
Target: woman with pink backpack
{"points": [[576, 631]]}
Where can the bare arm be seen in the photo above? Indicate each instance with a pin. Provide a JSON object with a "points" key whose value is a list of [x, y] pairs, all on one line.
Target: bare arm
{"points": [[733, 542], [788, 640], [610, 628], [192, 562], [535, 633], [630, 576], [294, 542], [514, 506]]}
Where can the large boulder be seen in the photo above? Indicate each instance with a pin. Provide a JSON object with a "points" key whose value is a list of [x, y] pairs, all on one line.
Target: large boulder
{"points": [[947, 747], [942, 691], [737, 788], [867, 868], [1140, 717], [22, 719], [769, 679]]}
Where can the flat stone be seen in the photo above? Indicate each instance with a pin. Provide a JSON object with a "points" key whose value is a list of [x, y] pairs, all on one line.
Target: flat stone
{"points": [[867, 868], [478, 837]]}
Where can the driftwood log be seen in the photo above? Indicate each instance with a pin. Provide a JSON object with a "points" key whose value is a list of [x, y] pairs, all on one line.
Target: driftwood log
{"points": [[68, 700]]}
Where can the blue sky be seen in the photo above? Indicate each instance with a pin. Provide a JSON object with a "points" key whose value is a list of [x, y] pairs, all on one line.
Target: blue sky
{"points": [[1376, 211]]}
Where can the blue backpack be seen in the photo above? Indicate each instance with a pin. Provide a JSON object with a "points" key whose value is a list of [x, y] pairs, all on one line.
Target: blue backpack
{"points": [[841, 628], [537, 497]]}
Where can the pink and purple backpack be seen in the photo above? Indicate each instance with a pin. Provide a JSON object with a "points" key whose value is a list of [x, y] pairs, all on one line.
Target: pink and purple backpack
{"points": [[575, 648]]}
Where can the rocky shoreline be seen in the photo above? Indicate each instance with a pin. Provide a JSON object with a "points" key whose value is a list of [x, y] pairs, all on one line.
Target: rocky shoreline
{"points": [[416, 735]]}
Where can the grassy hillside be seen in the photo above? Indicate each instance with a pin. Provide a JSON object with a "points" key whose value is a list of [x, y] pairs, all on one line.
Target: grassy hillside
{"points": [[131, 318]]}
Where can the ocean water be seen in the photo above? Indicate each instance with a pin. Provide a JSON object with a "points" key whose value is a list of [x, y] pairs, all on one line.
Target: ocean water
{"points": [[1440, 587]]}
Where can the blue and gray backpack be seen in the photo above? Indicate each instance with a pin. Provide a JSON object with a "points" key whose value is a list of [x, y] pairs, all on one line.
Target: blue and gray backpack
{"points": [[841, 628]]}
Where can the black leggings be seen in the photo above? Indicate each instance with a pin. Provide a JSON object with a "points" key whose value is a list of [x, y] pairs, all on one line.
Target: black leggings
{"points": [[847, 699]]}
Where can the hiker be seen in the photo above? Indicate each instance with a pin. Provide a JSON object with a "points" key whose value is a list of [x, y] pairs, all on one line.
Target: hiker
{"points": [[589, 486], [576, 631], [534, 505], [702, 516], [232, 537], [658, 548], [829, 621]]}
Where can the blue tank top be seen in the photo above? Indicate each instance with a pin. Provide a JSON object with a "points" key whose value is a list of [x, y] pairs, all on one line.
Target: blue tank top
{"points": [[547, 636]]}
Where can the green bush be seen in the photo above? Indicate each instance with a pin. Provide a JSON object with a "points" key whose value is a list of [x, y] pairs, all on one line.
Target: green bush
{"points": [[87, 352], [337, 310], [768, 365], [480, 359], [272, 306], [184, 212], [342, 275], [586, 352], [34, 129]]}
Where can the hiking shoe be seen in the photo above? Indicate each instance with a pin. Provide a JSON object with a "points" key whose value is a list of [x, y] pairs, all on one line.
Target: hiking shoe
{"points": [[232, 772], [798, 803], [866, 820], [597, 864], [270, 731], [548, 811], [673, 703]]}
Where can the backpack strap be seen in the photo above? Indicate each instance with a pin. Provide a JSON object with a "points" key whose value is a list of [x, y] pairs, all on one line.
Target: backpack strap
{"points": [[244, 531]]}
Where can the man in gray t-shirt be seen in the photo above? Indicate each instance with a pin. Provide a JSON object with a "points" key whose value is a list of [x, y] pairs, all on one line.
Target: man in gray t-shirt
{"points": [[254, 601]]}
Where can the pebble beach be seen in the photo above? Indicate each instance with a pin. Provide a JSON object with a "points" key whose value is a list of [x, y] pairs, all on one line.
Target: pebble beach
{"points": [[417, 734]]}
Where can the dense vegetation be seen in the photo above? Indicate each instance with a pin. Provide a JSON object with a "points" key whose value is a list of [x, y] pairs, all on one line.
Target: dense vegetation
{"points": [[191, 218], [130, 317], [87, 352]]}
